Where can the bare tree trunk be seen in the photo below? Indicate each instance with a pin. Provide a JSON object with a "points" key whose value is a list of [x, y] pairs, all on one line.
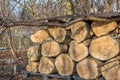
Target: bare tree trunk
{"points": [[11, 44]]}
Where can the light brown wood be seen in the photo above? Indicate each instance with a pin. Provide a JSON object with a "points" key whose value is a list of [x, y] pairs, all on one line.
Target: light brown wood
{"points": [[111, 69], [87, 42], [64, 65], [102, 28], [79, 31], [47, 65], [58, 33], [51, 48], [34, 66], [78, 51], [34, 53], [87, 68], [39, 36], [104, 48], [28, 68]]}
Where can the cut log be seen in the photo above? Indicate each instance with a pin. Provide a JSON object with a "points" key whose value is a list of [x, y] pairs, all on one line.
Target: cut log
{"points": [[79, 31], [39, 36], [87, 68], [28, 68], [104, 48], [68, 38], [47, 65], [58, 33], [78, 51], [111, 69], [34, 66], [64, 65], [51, 48], [34, 53], [87, 42], [102, 28]]}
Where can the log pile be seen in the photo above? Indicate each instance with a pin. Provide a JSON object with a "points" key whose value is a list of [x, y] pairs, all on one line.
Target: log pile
{"points": [[89, 49]]}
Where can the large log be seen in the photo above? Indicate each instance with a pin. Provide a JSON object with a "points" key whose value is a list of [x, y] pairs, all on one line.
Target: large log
{"points": [[104, 48], [47, 65], [102, 28], [111, 69], [78, 51], [51, 48], [39, 36], [79, 31], [87, 68], [64, 65], [58, 33], [34, 53]]}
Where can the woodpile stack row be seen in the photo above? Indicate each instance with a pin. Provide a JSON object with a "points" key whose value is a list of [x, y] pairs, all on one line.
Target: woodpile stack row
{"points": [[89, 49]]}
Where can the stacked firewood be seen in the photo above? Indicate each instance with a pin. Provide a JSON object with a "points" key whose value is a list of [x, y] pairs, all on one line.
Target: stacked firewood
{"points": [[89, 49]]}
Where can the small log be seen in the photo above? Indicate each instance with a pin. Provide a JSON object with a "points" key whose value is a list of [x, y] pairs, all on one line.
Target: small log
{"points": [[78, 51], [64, 65], [34, 66], [111, 69], [104, 48], [51, 48], [87, 68], [39, 36], [47, 65], [58, 33], [28, 68], [34, 53], [102, 28], [79, 31], [87, 42]]}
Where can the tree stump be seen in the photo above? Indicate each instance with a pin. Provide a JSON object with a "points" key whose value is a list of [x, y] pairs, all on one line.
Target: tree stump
{"points": [[34, 53], [58, 33], [39, 36], [104, 48], [51, 48], [47, 65], [79, 31], [78, 51], [111, 69], [102, 28], [87, 68], [64, 65]]}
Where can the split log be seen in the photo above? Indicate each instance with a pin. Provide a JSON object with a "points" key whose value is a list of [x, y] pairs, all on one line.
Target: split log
{"points": [[78, 51], [111, 69], [39, 36], [28, 68], [58, 33], [34, 53], [79, 31], [51, 48], [87, 68], [104, 48], [47, 65], [102, 28], [64, 65]]}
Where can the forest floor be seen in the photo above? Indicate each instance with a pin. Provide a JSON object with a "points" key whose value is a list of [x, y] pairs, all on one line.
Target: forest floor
{"points": [[6, 67]]}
